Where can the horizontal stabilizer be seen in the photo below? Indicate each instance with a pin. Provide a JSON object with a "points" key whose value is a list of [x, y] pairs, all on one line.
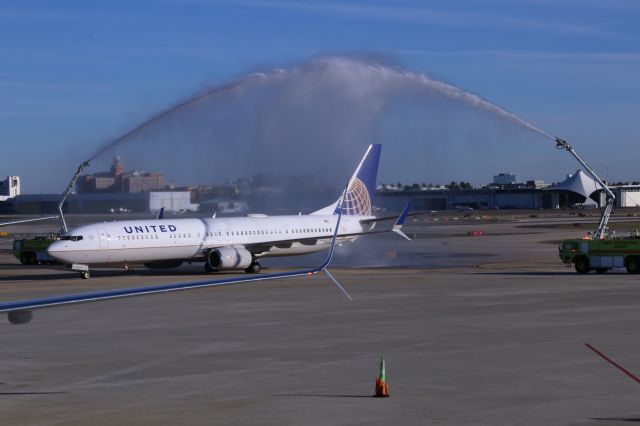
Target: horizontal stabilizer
{"points": [[399, 232]]}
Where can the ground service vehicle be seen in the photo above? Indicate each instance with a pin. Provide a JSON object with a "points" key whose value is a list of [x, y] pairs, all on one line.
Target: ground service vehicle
{"points": [[601, 250], [33, 251], [602, 255]]}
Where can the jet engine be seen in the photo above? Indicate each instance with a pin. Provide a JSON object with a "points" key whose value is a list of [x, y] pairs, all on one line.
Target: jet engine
{"points": [[229, 258]]}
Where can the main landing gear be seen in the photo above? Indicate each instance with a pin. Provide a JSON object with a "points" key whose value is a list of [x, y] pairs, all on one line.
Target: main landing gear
{"points": [[254, 268]]}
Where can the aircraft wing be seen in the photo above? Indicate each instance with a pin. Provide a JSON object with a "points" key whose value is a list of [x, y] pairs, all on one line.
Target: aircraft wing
{"points": [[266, 245], [15, 222], [383, 218], [21, 311], [397, 226]]}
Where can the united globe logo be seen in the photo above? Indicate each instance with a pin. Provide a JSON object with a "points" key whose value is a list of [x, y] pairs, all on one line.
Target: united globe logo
{"points": [[357, 200]]}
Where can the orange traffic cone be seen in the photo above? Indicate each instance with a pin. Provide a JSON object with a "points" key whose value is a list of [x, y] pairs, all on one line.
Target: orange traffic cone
{"points": [[382, 391]]}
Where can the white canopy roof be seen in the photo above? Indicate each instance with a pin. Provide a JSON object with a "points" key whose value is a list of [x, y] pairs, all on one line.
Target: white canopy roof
{"points": [[579, 182]]}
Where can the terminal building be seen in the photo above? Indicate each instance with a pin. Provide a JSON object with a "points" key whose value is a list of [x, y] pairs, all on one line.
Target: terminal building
{"points": [[9, 188], [577, 189]]}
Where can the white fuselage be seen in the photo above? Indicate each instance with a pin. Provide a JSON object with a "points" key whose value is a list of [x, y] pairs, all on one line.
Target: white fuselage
{"points": [[143, 241]]}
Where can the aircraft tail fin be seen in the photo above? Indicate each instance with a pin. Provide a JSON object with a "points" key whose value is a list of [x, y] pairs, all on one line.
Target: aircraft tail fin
{"points": [[362, 187]]}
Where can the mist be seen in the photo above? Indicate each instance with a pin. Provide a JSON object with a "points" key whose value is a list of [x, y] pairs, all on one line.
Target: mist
{"points": [[317, 118]]}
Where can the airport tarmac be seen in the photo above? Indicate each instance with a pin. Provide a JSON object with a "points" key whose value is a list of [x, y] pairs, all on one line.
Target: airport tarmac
{"points": [[482, 330]]}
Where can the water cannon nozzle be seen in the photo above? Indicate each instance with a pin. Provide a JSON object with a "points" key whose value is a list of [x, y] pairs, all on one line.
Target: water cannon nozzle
{"points": [[562, 144]]}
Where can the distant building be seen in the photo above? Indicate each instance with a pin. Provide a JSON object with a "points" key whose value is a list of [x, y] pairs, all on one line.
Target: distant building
{"points": [[135, 202], [9, 188], [537, 184], [533, 194], [117, 180], [627, 195], [504, 179], [143, 182]]}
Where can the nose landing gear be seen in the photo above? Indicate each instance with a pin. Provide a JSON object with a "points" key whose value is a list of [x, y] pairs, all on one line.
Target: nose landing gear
{"points": [[83, 269]]}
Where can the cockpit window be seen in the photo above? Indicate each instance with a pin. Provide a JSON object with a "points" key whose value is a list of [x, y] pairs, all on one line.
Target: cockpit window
{"points": [[71, 237]]}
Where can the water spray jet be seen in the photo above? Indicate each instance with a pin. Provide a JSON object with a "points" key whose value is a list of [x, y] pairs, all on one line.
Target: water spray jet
{"points": [[174, 109], [355, 74], [343, 99]]}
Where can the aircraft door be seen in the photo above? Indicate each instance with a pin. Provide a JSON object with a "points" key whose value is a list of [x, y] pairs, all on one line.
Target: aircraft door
{"points": [[103, 239], [225, 234]]}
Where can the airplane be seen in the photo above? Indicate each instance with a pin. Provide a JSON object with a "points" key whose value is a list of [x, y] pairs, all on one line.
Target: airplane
{"points": [[224, 244], [21, 311]]}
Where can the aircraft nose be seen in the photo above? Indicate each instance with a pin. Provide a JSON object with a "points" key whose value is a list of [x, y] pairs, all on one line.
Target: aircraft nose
{"points": [[56, 251]]}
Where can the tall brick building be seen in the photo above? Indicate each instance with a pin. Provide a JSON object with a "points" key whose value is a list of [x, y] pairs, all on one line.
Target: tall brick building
{"points": [[118, 180]]}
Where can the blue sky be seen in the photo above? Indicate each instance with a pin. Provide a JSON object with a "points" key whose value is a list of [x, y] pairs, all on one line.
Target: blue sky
{"points": [[75, 74]]}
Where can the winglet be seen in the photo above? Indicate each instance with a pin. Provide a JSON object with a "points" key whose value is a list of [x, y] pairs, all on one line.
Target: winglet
{"points": [[160, 214], [323, 267], [397, 226], [333, 239]]}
